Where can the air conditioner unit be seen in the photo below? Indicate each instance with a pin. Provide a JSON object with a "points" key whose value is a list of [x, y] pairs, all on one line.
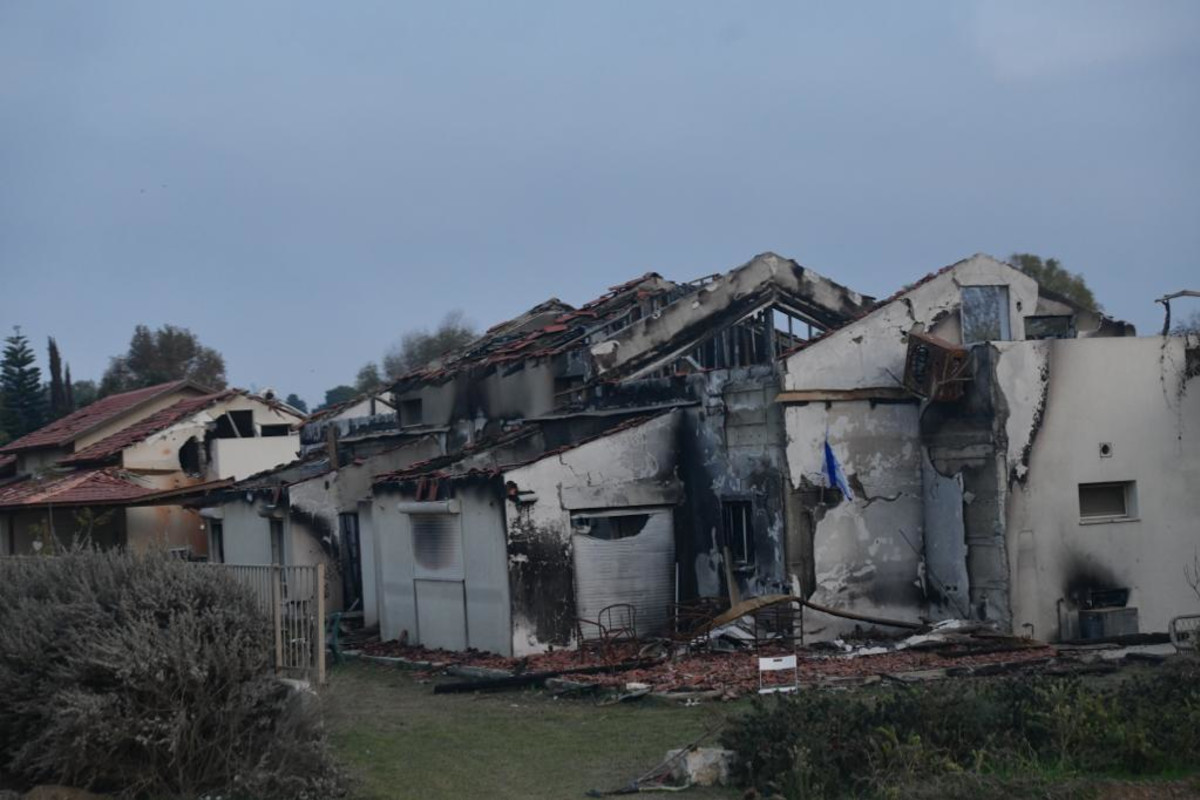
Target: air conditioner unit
{"points": [[935, 368], [1103, 623]]}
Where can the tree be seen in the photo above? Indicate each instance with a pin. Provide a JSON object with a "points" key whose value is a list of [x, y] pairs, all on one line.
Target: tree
{"points": [[21, 387], [368, 378], [1191, 324], [167, 354], [295, 402], [1051, 275], [59, 407], [418, 348], [83, 393], [338, 395]]}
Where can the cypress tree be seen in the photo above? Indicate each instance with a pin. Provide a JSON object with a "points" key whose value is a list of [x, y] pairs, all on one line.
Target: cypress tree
{"points": [[58, 393], [21, 386], [69, 388]]}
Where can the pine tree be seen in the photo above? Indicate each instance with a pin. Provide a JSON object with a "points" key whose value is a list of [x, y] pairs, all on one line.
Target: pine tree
{"points": [[21, 385], [58, 393]]}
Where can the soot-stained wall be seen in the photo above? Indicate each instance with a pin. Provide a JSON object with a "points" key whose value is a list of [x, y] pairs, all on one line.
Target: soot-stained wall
{"points": [[634, 467]]}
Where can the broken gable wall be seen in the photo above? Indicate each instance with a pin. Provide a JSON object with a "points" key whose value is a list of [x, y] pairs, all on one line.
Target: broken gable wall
{"points": [[633, 469], [899, 549], [1066, 398], [231, 458]]}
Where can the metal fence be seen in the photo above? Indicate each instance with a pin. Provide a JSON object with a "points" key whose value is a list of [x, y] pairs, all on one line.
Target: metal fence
{"points": [[294, 598]]}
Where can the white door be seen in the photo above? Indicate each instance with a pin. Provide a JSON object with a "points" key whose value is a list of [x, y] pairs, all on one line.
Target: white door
{"points": [[437, 547]]}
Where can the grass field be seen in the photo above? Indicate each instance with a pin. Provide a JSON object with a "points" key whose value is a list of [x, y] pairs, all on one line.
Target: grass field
{"points": [[399, 740]]}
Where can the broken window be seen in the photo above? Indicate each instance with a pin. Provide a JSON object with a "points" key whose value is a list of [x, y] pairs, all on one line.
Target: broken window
{"points": [[737, 517], [236, 425], [437, 543], [985, 314], [1106, 502], [189, 458], [411, 412], [276, 541], [276, 430], [1059, 326], [610, 526], [216, 544]]}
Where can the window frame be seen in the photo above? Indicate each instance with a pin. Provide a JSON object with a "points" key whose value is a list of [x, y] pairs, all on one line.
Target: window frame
{"points": [[744, 556], [1129, 503]]}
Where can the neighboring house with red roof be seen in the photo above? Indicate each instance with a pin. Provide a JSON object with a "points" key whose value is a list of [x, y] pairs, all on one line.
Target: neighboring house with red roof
{"points": [[108, 472]]}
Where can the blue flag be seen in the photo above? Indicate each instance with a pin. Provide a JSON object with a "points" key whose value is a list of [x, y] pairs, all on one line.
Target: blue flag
{"points": [[834, 474]]}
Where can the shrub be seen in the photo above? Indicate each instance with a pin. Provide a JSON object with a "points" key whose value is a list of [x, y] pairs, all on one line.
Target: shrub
{"points": [[822, 744], [147, 676]]}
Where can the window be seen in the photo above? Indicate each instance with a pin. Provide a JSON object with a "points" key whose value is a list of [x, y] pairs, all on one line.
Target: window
{"points": [[437, 544], [985, 314], [216, 542], [1107, 502], [738, 520], [276, 430], [276, 541], [1050, 327], [236, 425], [410, 412]]}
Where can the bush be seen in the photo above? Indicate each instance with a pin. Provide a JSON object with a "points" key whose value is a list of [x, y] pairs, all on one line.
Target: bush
{"points": [[824, 744], [147, 676]]}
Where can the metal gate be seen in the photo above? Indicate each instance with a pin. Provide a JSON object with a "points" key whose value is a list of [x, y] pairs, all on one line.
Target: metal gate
{"points": [[294, 599]]}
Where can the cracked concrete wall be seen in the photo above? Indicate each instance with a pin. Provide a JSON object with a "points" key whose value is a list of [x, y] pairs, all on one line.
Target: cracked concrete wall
{"points": [[943, 534], [867, 552], [634, 465], [1135, 395]]}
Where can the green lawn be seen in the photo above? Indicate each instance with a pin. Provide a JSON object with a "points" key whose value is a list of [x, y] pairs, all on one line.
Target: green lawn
{"points": [[399, 740]]}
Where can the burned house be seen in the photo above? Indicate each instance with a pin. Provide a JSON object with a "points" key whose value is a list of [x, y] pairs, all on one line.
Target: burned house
{"points": [[700, 359], [109, 473], [1010, 456]]}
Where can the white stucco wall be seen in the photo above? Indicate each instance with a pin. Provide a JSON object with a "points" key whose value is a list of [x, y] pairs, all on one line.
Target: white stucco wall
{"points": [[1132, 393]]}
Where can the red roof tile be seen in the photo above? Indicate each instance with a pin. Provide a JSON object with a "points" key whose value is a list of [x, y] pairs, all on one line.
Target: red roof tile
{"points": [[88, 487], [66, 430], [112, 445]]}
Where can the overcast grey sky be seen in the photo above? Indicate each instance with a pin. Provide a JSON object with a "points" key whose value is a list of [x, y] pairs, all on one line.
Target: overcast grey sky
{"points": [[301, 182]]}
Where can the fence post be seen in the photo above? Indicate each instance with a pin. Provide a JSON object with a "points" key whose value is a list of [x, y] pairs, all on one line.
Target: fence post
{"points": [[319, 590], [277, 616]]}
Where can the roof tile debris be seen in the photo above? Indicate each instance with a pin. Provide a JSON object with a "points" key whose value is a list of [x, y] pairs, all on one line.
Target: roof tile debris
{"points": [[547, 329], [66, 430]]}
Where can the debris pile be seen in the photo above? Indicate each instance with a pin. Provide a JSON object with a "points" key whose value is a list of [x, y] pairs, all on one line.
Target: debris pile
{"points": [[949, 649]]}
